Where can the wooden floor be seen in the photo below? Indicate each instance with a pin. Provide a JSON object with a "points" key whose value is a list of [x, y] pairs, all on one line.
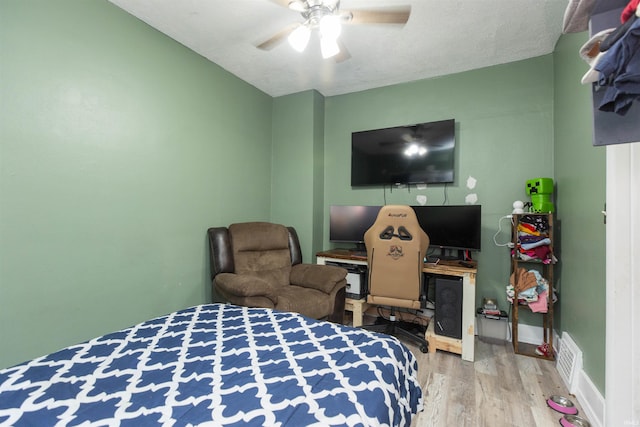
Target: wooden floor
{"points": [[499, 389]]}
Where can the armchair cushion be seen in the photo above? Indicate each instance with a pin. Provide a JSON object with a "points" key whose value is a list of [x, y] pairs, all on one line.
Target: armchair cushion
{"points": [[261, 249], [246, 286], [309, 302], [320, 277]]}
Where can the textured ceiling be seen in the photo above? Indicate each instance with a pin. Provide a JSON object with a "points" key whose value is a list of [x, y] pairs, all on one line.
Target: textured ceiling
{"points": [[441, 37]]}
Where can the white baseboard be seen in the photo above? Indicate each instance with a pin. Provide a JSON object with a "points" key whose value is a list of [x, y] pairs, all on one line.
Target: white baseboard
{"points": [[591, 400], [587, 395], [530, 334]]}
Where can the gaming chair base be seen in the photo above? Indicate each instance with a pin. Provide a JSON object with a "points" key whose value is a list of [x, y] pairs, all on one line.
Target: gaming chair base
{"points": [[392, 328]]}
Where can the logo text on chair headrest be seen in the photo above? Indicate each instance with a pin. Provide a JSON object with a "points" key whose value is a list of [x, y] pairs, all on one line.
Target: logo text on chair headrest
{"points": [[395, 252], [398, 215]]}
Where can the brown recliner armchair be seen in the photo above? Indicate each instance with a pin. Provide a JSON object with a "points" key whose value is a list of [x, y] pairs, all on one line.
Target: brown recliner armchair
{"points": [[259, 264]]}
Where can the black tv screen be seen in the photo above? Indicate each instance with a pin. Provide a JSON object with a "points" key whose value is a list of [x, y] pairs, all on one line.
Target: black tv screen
{"points": [[413, 154], [349, 223], [451, 226]]}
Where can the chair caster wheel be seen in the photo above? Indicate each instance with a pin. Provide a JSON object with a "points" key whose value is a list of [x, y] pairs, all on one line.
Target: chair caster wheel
{"points": [[424, 348]]}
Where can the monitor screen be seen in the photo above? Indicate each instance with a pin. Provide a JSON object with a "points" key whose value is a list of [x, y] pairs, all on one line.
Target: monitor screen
{"points": [[413, 154], [349, 223], [451, 226]]}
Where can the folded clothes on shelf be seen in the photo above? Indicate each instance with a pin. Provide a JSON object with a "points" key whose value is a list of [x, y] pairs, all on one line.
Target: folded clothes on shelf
{"points": [[531, 288], [533, 242]]}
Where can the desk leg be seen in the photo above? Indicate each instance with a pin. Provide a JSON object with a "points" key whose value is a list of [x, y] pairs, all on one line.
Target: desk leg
{"points": [[357, 307], [468, 317]]}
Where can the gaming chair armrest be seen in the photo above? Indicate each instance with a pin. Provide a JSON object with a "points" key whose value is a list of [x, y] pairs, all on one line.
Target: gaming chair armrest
{"points": [[246, 286], [323, 278]]}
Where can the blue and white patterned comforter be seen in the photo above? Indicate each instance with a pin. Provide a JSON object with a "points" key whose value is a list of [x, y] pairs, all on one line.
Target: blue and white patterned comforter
{"points": [[218, 365]]}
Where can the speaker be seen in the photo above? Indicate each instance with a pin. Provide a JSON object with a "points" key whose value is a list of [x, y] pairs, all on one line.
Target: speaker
{"points": [[448, 311]]}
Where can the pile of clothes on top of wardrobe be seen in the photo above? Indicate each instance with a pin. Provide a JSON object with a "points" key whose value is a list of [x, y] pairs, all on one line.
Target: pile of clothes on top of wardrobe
{"points": [[531, 289], [533, 242], [614, 58]]}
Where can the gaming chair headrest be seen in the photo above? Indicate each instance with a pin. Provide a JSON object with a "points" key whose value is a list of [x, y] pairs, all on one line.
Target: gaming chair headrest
{"points": [[396, 222]]}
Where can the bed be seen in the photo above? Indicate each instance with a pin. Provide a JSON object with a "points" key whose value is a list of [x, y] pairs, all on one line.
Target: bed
{"points": [[218, 365]]}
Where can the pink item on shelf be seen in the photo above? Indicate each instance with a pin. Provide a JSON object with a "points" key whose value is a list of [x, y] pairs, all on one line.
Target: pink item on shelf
{"points": [[542, 252], [540, 305]]}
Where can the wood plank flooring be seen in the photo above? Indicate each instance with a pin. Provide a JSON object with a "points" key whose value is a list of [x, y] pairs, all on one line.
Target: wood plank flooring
{"points": [[499, 389]]}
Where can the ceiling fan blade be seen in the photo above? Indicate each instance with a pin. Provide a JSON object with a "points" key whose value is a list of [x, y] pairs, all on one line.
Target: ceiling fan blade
{"points": [[344, 53], [278, 37], [297, 5], [390, 15], [283, 3]]}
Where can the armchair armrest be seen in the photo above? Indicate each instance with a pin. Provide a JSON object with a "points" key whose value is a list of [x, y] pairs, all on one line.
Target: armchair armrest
{"points": [[316, 276], [246, 286]]}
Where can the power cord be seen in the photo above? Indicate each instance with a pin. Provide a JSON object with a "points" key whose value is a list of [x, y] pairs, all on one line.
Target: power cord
{"points": [[402, 316], [509, 337], [509, 244]]}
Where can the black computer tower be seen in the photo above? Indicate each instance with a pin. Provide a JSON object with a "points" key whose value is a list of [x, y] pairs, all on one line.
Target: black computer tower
{"points": [[448, 307]]}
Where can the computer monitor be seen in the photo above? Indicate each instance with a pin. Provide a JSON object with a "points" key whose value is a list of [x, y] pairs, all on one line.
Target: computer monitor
{"points": [[347, 224], [455, 227], [451, 226]]}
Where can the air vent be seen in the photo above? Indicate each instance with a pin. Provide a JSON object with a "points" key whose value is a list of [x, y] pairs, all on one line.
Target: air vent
{"points": [[569, 362]]}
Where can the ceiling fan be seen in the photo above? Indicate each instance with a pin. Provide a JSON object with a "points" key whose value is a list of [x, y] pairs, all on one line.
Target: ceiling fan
{"points": [[327, 17]]}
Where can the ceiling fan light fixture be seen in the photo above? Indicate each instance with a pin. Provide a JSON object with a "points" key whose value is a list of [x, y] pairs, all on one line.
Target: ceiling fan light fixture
{"points": [[326, 17], [330, 27], [329, 47], [299, 38], [415, 150]]}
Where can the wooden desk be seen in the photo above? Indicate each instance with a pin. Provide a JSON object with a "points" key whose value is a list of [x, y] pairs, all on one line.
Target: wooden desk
{"points": [[357, 307], [440, 342], [466, 346]]}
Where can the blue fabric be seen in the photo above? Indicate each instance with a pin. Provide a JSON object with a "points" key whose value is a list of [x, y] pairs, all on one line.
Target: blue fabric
{"points": [[620, 72], [235, 366]]}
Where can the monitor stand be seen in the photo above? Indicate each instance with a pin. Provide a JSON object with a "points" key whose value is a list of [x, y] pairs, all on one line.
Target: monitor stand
{"points": [[359, 250], [447, 256]]}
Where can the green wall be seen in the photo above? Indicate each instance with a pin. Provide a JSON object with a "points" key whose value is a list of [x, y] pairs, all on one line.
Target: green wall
{"points": [[298, 141], [504, 126], [118, 149], [580, 171]]}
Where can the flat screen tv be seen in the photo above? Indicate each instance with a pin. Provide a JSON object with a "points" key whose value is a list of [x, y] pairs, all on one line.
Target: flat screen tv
{"points": [[414, 154], [347, 224], [451, 226]]}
